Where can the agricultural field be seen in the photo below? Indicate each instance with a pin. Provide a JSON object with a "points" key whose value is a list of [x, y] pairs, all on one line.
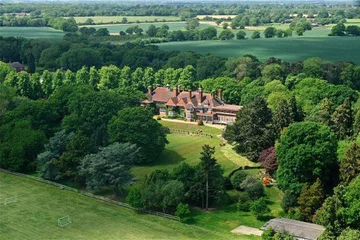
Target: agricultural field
{"points": [[183, 148], [32, 32], [116, 28], [290, 49], [35, 214], [109, 19]]}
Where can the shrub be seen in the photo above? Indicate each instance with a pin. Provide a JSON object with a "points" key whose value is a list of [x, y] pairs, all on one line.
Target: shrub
{"points": [[200, 123], [253, 187], [158, 118], [183, 211], [259, 208], [238, 178]]}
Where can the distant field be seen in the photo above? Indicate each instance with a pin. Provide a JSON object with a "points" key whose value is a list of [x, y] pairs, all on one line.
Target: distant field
{"points": [[108, 19], [31, 32], [215, 16], [290, 49], [116, 28], [39, 206]]}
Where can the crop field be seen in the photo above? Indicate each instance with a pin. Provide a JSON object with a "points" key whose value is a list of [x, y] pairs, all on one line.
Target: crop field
{"points": [[109, 19], [35, 214], [290, 49], [31, 32], [116, 28], [183, 148]]}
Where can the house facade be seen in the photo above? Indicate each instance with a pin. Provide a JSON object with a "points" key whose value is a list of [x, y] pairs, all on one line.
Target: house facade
{"points": [[191, 105]]}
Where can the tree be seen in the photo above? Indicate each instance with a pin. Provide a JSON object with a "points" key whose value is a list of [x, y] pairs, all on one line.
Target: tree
{"points": [[225, 25], [208, 33], [134, 198], [296, 114], [267, 160], [210, 181], [259, 208], [124, 20], [310, 200], [255, 35], [350, 165], [102, 32], [109, 77], [353, 30], [251, 131], [343, 120], [183, 211], [338, 30], [253, 187], [136, 125], [82, 76], [269, 32], [47, 84], [5, 69], [192, 23], [152, 30], [296, 152], [94, 78], [226, 35], [282, 117], [349, 234], [111, 165], [241, 35], [299, 30]]}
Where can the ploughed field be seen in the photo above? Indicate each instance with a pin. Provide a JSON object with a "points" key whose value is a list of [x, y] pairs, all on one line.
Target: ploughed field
{"points": [[31, 32], [290, 49]]}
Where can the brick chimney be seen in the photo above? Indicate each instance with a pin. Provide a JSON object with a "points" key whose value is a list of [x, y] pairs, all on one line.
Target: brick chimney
{"points": [[200, 95], [220, 94], [179, 89], [175, 92], [213, 94], [157, 85], [149, 90], [190, 93]]}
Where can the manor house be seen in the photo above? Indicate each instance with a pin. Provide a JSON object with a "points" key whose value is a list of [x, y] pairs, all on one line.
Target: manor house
{"points": [[192, 105]]}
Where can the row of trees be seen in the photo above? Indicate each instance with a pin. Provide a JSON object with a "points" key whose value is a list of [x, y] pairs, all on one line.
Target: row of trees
{"points": [[341, 30]]}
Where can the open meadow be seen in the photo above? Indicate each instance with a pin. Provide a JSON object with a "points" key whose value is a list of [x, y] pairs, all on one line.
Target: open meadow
{"points": [[35, 214], [290, 49], [32, 32]]}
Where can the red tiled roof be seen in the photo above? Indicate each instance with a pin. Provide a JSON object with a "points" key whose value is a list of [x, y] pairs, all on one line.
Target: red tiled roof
{"points": [[161, 94]]}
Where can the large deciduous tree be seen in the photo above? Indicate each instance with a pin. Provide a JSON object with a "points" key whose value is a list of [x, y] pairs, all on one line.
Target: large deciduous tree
{"points": [[305, 152], [136, 125], [110, 166]]}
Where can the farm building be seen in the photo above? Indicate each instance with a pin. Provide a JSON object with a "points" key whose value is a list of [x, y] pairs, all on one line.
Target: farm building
{"points": [[300, 230], [192, 105]]}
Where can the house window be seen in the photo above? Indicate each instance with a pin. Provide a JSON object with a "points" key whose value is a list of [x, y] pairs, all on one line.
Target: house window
{"points": [[172, 113], [189, 115], [162, 110]]}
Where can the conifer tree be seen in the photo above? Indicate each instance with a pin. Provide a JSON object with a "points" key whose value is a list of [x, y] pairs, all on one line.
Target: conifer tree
{"points": [[343, 120]]}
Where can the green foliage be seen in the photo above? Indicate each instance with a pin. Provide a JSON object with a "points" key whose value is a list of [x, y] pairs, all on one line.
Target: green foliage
{"points": [[192, 23], [183, 211], [136, 125], [349, 234], [241, 35], [255, 35], [252, 187], [237, 178], [350, 165], [251, 131], [310, 199], [343, 120], [269, 32], [259, 208], [111, 165], [226, 35], [298, 147]]}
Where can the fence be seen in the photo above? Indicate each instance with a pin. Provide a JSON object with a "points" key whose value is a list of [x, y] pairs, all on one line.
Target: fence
{"points": [[194, 134], [97, 197]]}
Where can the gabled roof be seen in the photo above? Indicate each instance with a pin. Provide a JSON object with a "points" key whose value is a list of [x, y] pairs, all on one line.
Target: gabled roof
{"points": [[299, 229], [161, 94], [15, 65]]}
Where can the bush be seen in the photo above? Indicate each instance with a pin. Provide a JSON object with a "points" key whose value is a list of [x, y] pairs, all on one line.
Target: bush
{"points": [[158, 118], [259, 208], [200, 123], [237, 178], [253, 187], [183, 211]]}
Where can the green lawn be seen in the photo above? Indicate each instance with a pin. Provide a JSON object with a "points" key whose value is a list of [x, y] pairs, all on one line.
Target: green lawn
{"points": [[290, 49], [31, 32], [39, 206], [183, 148], [108, 19]]}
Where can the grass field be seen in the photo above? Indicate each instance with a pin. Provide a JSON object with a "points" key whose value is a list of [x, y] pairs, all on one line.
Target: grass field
{"points": [[108, 19], [31, 32], [116, 28], [183, 148], [290, 49], [39, 206]]}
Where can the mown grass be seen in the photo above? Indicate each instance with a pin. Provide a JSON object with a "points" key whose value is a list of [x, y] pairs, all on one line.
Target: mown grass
{"points": [[108, 19], [184, 148], [39, 206], [290, 49], [32, 32]]}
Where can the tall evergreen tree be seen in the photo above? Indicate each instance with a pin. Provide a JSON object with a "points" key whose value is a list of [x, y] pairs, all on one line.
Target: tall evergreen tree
{"points": [[282, 117], [251, 131], [94, 77], [350, 165], [296, 113], [82, 76], [343, 120]]}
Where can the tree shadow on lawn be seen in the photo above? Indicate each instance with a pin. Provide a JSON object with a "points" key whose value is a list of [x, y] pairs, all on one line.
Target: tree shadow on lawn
{"points": [[168, 157]]}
